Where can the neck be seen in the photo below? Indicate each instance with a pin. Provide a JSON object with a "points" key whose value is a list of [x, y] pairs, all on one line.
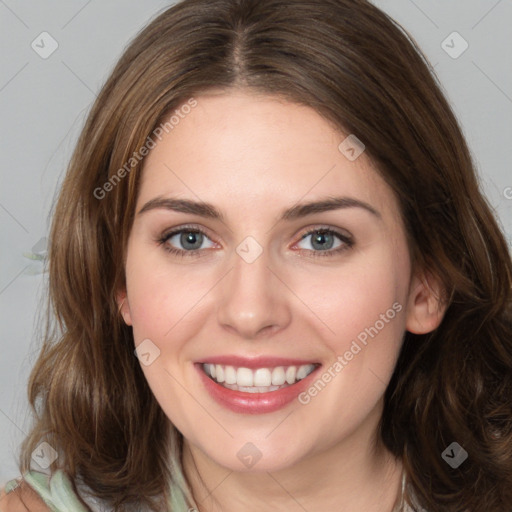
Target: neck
{"points": [[358, 473]]}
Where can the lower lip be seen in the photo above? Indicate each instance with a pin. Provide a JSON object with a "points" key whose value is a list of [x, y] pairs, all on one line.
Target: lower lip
{"points": [[253, 403]]}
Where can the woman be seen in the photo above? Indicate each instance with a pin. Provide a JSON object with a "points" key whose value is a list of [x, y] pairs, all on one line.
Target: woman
{"points": [[339, 334]]}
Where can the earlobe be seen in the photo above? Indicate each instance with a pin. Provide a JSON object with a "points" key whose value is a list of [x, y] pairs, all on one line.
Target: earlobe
{"points": [[124, 307], [425, 306]]}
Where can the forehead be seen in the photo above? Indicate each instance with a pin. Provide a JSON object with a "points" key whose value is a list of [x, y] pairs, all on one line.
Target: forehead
{"points": [[240, 149]]}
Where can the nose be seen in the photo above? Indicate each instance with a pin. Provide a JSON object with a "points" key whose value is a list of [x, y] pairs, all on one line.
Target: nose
{"points": [[253, 301]]}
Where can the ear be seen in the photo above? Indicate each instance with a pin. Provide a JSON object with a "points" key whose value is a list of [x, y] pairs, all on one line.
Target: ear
{"points": [[425, 305], [123, 306]]}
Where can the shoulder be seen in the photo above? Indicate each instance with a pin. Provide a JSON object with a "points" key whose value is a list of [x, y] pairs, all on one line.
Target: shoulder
{"points": [[21, 498]]}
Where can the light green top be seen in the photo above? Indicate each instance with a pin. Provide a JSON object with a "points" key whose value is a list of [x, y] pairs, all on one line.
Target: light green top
{"points": [[58, 493]]}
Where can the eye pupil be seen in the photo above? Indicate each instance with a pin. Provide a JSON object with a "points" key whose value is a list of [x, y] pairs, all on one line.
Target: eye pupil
{"points": [[321, 239], [193, 238]]}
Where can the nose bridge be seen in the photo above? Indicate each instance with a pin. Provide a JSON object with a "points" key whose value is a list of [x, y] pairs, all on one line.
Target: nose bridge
{"points": [[252, 298]]}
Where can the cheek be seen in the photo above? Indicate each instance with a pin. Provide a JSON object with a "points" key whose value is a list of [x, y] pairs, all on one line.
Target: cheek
{"points": [[162, 299], [157, 295], [363, 306], [168, 305], [357, 296]]}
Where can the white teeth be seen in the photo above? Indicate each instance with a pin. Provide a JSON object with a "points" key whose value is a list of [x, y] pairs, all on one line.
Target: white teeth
{"points": [[219, 370], [230, 375], [253, 389], [291, 371], [210, 369], [261, 380], [278, 376], [244, 377], [262, 377], [304, 371]]}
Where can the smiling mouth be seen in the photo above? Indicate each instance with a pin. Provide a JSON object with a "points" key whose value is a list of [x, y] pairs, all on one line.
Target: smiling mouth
{"points": [[260, 380]]}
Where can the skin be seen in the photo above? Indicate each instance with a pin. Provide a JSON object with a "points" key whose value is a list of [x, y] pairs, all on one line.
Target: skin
{"points": [[253, 156], [21, 499]]}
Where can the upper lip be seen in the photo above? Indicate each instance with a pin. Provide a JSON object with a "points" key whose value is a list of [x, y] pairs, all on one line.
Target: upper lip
{"points": [[255, 362]]}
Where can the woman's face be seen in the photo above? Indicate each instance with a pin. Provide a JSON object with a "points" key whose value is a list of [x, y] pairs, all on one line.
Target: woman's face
{"points": [[303, 325]]}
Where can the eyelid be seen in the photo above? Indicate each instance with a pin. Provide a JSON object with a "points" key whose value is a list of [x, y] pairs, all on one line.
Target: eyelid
{"points": [[186, 227], [325, 227]]}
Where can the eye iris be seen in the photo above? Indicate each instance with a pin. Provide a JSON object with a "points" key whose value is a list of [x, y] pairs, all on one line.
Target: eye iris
{"points": [[193, 238], [320, 237]]}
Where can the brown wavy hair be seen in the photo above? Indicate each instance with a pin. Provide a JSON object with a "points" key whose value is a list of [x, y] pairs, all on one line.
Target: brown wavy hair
{"points": [[363, 72]]}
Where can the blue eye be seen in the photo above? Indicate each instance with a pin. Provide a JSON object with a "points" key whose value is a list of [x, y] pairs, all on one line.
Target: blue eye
{"points": [[324, 242], [190, 239]]}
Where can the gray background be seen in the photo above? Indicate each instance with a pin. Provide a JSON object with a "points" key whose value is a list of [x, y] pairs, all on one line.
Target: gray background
{"points": [[44, 103]]}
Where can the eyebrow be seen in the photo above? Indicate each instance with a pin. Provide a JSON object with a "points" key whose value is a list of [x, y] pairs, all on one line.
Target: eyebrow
{"points": [[297, 211]]}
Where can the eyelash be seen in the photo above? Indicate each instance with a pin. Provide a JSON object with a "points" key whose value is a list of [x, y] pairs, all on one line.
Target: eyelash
{"points": [[348, 242]]}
